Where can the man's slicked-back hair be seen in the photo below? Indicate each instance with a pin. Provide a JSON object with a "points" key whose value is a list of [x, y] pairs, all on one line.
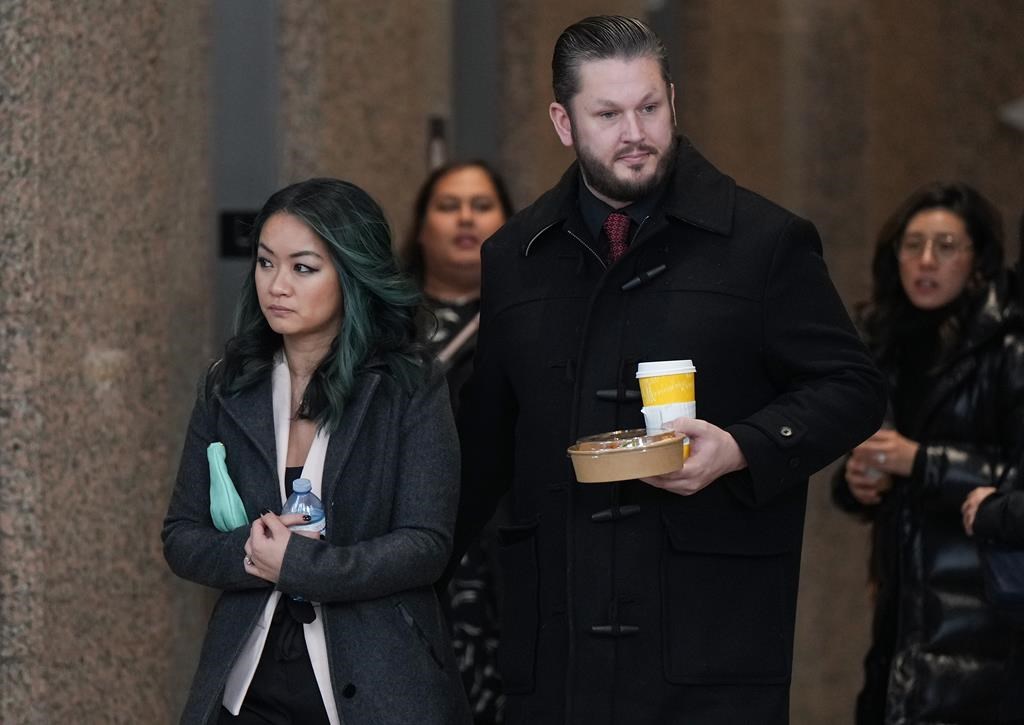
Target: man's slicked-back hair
{"points": [[598, 38]]}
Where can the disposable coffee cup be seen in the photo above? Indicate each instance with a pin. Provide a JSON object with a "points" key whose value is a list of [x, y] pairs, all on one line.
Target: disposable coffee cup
{"points": [[668, 392]]}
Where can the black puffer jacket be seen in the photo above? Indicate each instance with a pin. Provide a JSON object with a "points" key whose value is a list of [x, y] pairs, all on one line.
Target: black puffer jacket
{"points": [[938, 654], [1000, 518]]}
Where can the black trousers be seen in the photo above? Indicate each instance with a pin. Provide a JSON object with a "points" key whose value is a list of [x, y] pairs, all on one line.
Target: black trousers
{"points": [[284, 689]]}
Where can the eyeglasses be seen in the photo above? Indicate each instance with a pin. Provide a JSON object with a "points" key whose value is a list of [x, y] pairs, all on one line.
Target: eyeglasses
{"points": [[944, 246]]}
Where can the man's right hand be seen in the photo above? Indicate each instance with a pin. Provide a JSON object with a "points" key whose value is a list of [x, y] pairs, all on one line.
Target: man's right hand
{"points": [[713, 453]]}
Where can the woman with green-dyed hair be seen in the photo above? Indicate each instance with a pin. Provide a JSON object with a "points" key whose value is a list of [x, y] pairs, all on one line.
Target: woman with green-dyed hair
{"points": [[380, 302], [322, 381]]}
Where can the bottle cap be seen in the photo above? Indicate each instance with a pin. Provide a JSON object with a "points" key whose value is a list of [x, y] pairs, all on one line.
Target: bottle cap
{"points": [[302, 485]]}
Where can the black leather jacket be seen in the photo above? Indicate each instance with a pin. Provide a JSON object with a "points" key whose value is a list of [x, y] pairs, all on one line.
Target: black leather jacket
{"points": [[939, 655]]}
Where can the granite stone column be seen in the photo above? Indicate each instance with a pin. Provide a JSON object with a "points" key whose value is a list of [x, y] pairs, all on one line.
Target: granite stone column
{"points": [[359, 82], [105, 252]]}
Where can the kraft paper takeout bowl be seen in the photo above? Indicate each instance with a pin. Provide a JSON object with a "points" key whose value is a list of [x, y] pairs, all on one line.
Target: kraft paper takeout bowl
{"points": [[623, 455]]}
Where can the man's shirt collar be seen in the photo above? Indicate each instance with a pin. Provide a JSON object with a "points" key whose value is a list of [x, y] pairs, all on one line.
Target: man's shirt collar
{"points": [[594, 211]]}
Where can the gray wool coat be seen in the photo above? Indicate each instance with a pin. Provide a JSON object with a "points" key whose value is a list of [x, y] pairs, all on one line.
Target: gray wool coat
{"points": [[390, 491]]}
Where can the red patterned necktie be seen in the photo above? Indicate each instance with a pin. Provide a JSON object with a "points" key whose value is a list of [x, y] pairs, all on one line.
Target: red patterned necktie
{"points": [[616, 228]]}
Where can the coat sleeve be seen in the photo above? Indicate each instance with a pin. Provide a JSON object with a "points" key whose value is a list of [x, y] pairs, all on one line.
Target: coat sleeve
{"points": [[414, 552], [947, 470], [193, 547], [832, 397], [1000, 519]]}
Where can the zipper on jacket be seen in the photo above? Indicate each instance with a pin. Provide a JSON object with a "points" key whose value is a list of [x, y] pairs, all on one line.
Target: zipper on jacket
{"points": [[526, 249], [588, 248], [529, 244], [638, 228]]}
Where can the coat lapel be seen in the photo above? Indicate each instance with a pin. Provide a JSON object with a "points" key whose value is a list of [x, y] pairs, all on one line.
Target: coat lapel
{"points": [[340, 446], [700, 194], [252, 412], [697, 193]]}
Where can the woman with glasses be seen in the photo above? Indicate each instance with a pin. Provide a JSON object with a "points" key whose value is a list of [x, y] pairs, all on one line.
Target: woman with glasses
{"points": [[937, 326]]}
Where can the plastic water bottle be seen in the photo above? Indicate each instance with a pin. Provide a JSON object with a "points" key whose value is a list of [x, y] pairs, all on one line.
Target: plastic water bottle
{"points": [[304, 501]]}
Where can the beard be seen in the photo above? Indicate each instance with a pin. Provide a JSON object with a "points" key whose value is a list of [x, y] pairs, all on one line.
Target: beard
{"points": [[602, 179]]}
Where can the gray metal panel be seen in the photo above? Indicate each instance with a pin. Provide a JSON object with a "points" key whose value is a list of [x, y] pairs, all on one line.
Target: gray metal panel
{"points": [[475, 83], [245, 111]]}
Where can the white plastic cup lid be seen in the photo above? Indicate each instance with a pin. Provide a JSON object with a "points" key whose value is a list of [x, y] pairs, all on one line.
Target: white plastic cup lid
{"points": [[664, 367]]}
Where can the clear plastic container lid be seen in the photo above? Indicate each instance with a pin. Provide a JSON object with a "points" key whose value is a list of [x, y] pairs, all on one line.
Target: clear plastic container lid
{"points": [[624, 439]]}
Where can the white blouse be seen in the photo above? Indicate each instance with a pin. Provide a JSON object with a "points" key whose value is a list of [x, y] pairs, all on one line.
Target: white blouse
{"points": [[244, 667]]}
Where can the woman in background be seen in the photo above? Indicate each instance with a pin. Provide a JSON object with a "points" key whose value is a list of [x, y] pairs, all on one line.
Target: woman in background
{"points": [[458, 207], [323, 381], [936, 324]]}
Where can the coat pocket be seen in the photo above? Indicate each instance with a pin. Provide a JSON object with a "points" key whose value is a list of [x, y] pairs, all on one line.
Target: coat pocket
{"points": [[418, 632], [520, 611], [728, 616]]}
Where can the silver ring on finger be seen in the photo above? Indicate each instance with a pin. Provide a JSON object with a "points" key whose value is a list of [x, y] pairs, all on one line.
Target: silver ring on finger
{"points": [[248, 561]]}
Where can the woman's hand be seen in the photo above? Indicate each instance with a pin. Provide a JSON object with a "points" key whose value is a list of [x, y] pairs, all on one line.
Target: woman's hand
{"points": [[867, 483], [969, 508], [889, 452], [268, 539]]}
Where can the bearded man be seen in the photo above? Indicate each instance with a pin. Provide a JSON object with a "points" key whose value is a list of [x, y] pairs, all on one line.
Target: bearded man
{"points": [[670, 599]]}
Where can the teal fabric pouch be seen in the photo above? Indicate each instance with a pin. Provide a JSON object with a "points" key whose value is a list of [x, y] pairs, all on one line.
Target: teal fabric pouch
{"points": [[226, 507]]}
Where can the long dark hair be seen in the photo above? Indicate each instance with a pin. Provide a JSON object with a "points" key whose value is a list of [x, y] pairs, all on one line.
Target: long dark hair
{"points": [[412, 254], [379, 302], [889, 307]]}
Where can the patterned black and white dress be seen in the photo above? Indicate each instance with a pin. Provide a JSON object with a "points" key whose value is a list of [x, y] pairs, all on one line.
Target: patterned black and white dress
{"points": [[449, 331]]}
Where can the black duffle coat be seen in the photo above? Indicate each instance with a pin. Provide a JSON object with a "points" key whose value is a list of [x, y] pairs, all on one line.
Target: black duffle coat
{"points": [[625, 603]]}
